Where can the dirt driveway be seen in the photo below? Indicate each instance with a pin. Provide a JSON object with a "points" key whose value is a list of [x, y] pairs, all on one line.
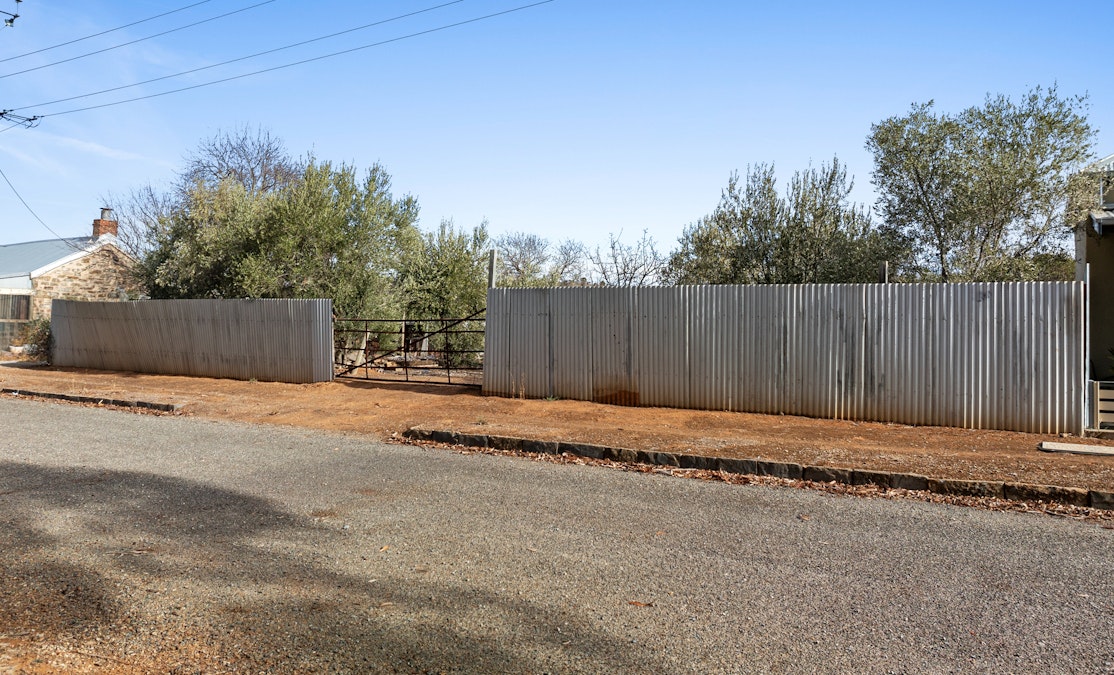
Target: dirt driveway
{"points": [[386, 409]]}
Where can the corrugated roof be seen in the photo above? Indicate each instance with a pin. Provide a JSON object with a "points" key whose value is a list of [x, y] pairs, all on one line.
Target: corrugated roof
{"points": [[1105, 164], [17, 259]]}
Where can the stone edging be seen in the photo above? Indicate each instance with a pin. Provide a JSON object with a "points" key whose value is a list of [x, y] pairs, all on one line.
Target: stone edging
{"points": [[162, 407], [1095, 499]]}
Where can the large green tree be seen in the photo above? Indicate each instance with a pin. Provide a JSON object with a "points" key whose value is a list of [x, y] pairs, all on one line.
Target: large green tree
{"points": [[333, 234], [983, 195], [811, 234], [327, 233], [445, 275]]}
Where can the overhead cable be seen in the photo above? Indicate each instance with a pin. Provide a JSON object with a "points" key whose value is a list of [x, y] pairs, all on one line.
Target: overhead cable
{"points": [[103, 32], [242, 58], [32, 212], [302, 62], [142, 39]]}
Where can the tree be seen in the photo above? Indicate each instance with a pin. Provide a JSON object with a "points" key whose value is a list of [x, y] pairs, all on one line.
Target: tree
{"points": [[141, 215], [529, 260], [445, 276], [983, 195], [813, 234], [198, 244], [252, 158], [333, 235], [327, 234], [637, 264]]}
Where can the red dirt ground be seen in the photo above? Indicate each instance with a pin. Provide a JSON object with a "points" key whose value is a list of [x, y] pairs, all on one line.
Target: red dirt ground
{"points": [[383, 410]]}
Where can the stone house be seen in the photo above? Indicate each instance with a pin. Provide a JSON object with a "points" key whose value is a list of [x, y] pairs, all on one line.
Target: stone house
{"points": [[34, 273]]}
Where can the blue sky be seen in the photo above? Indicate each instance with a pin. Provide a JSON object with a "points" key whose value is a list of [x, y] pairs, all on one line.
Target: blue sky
{"points": [[575, 118]]}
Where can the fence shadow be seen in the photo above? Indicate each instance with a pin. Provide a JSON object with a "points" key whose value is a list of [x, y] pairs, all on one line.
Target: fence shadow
{"points": [[412, 387]]}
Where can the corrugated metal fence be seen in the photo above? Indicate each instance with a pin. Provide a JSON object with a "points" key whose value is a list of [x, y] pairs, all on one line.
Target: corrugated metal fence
{"points": [[273, 340], [985, 356]]}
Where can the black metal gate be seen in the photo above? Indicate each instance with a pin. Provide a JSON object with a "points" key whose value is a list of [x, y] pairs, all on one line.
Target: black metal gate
{"points": [[445, 351]]}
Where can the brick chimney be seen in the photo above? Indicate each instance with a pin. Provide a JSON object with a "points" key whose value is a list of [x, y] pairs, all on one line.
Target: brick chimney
{"points": [[106, 224]]}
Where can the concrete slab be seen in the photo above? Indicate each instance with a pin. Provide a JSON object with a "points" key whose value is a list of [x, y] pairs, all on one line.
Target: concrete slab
{"points": [[1076, 448]]}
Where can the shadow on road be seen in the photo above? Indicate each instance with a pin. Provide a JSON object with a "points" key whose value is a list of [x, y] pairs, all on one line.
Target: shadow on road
{"points": [[158, 572]]}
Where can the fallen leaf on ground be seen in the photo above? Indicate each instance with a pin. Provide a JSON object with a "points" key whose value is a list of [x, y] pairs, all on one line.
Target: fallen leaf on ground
{"points": [[385, 548], [640, 604], [804, 516]]}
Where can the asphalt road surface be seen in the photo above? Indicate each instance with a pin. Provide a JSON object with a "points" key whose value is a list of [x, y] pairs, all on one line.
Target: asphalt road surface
{"points": [[190, 545]]}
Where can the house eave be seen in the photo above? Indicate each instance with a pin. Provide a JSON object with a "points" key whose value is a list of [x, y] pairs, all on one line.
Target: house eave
{"points": [[15, 284], [1102, 222]]}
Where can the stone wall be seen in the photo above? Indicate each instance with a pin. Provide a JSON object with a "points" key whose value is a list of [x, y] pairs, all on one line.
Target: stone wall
{"points": [[97, 276]]}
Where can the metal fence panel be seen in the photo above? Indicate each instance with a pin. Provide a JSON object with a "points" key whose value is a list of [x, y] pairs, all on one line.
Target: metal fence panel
{"points": [[273, 339], [517, 350], [991, 356], [568, 377]]}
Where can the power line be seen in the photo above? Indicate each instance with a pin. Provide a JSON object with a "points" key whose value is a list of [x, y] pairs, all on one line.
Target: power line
{"points": [[142, 39], [302, 62], [242, 58], [104, 32], [32, 212]]}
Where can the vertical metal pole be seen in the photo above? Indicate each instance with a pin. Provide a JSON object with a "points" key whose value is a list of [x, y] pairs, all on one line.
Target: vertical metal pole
{"points": [[448, 352], [405, 352], [492, 257]]}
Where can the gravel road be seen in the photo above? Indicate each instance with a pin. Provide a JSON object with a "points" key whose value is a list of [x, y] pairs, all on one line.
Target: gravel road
{"points": [[133, 543]]}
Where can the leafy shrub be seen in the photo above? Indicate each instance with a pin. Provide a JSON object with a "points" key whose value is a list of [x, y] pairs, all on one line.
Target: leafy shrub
{"points": [[38, 340]]}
